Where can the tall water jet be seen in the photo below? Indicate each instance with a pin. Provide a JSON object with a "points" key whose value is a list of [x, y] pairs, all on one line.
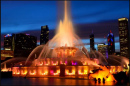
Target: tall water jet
{"points": [[65, 37], [65, 34]]}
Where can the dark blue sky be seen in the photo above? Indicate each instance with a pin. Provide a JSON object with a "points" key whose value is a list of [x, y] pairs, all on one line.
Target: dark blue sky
{"points": [[23, 16]]}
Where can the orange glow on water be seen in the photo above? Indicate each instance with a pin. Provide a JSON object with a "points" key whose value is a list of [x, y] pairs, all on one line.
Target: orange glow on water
{"points": [[106, 83]]}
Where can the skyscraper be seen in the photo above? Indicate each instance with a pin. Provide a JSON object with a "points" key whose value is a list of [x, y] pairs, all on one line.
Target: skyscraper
{"points": [[9, 42], [25, 43], [102, 48], [92, 42], [124, 37], [44, 37], [111, 43]]}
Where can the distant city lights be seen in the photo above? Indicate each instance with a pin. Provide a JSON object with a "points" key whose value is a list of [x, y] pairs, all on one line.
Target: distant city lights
{"points": [[8, 35], [27, 34]]}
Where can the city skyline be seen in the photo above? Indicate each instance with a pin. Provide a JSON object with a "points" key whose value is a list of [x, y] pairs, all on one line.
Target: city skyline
{"points": [[86, 42], [84, 22]]}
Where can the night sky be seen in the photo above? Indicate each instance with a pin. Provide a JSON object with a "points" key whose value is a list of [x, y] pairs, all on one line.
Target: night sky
{"points": [[29, 16]]}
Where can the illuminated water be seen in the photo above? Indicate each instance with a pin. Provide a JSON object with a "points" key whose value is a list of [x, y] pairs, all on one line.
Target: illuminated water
{"points": [[52, 81]]}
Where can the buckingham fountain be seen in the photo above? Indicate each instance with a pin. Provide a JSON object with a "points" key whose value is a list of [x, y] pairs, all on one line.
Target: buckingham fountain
{"points": [[65, 56]]}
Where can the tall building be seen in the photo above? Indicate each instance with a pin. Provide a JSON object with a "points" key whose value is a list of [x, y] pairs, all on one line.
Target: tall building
{"points": [[92, 42], [124, 37], [102, 48], [44, 37], [25, 41], [24, 44], [9, 42], [111, 43]]}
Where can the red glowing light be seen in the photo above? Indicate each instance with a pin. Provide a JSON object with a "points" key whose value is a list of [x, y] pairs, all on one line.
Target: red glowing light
{"points": [[110, 31], [51, 71], [108, 39]]}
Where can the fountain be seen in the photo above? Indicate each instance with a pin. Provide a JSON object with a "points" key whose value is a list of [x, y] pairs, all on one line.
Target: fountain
{"points": [[5, 69], [65, 55], [6, 72]]}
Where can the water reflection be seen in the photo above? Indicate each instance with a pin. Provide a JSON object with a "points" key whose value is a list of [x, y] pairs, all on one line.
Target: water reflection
{"points": [[52, 81]]}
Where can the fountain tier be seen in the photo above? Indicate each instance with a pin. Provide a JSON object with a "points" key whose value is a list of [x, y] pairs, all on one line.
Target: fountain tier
{"points": [[65, 51]]}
